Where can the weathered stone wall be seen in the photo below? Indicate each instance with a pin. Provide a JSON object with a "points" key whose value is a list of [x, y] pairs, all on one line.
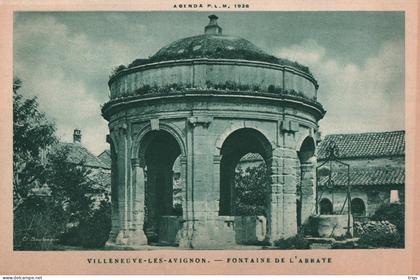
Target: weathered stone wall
{"points": [[373, 197], [207, 73]]}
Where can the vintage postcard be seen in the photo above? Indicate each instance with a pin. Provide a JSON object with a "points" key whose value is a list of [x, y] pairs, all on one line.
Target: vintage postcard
{"points": [[215, 137]]}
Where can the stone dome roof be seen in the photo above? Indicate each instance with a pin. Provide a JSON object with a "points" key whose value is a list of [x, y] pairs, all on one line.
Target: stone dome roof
{"points": [[214, 45]]}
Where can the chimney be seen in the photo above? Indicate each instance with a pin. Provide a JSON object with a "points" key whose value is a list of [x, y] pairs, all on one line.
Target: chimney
{"points": [[77, 136], [213, 28]]}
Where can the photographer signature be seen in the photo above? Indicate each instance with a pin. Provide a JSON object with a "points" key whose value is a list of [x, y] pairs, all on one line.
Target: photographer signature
{"points": [[36, 239]]}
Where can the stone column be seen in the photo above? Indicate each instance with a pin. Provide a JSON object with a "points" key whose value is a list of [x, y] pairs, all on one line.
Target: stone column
{"points": [[136, 234], [308, 186], [282, 206], [151, 229], [204, 228], [122, 184], [115, 220]]}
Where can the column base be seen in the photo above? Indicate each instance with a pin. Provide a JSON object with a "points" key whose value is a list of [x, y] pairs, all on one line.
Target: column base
{"points": [[128, 237]]}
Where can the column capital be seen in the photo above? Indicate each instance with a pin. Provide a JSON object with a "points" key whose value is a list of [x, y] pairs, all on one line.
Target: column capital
{"points": [[204, 121]]}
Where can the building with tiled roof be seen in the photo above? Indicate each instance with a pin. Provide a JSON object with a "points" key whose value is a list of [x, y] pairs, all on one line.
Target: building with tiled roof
{"points": [[365, 145], [99, 169], [105, 157], [79, 154], [376, 171]]}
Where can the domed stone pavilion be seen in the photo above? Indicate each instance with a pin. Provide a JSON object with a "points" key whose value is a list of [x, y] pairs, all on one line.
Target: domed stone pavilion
{"points": [[206, 101]]}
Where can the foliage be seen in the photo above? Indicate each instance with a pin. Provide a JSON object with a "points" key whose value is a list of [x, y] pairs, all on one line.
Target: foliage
{"points": [[93, 228], [33, 133], [40, 220], [252, 188], [393, 213], [295, 242], [36, 224], [117, 70], [380, 240], [71, 184]]}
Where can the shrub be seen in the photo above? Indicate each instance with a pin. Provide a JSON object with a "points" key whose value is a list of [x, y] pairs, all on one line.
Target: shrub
{"points": [[37, 224], [379, 240], [295, 242], [92, 231], [393, 213]]}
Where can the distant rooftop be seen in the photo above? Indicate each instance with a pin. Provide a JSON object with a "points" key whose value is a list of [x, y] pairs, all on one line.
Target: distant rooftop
{"points": [[105, 157], [370, 176], [363, 145], [78, 154]]}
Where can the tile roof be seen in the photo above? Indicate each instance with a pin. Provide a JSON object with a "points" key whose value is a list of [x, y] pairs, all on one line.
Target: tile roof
{"points": [[78, 153], [372, 176], [105, 157], [362, 145], [252, 157]]}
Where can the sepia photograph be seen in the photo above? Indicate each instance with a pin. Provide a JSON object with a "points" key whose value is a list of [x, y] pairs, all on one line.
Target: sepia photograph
{"points": [[209, 138], [208, 130]]}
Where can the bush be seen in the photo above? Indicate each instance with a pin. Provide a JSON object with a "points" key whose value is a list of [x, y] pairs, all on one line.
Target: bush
{"points": [[295, 242], [392, 212], [92, 231], [37, 224], [379, 240]]}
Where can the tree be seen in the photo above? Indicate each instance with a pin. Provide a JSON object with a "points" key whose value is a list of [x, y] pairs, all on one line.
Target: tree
{"points": [[33, 133], [71, 185], [252, 187], [39, 160]]}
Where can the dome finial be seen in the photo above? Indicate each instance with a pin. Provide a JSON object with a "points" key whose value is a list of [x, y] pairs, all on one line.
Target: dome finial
{"points": [[213, 28]]}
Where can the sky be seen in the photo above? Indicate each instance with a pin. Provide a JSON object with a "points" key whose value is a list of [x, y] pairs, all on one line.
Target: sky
{"points": [[65, 59]]}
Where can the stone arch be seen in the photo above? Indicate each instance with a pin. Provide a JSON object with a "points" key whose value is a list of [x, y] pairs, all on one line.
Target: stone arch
{"points": [[172, 129], [148, 148], [232, 150], [158, 151], [234, 127], [358, 207], [306, 148], [326, 207]]}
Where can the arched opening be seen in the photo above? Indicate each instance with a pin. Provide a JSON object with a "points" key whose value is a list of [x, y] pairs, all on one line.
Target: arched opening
{"points": [[160, 150], [325, 207], [358, 208], [244, 184], [307, 149]]}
